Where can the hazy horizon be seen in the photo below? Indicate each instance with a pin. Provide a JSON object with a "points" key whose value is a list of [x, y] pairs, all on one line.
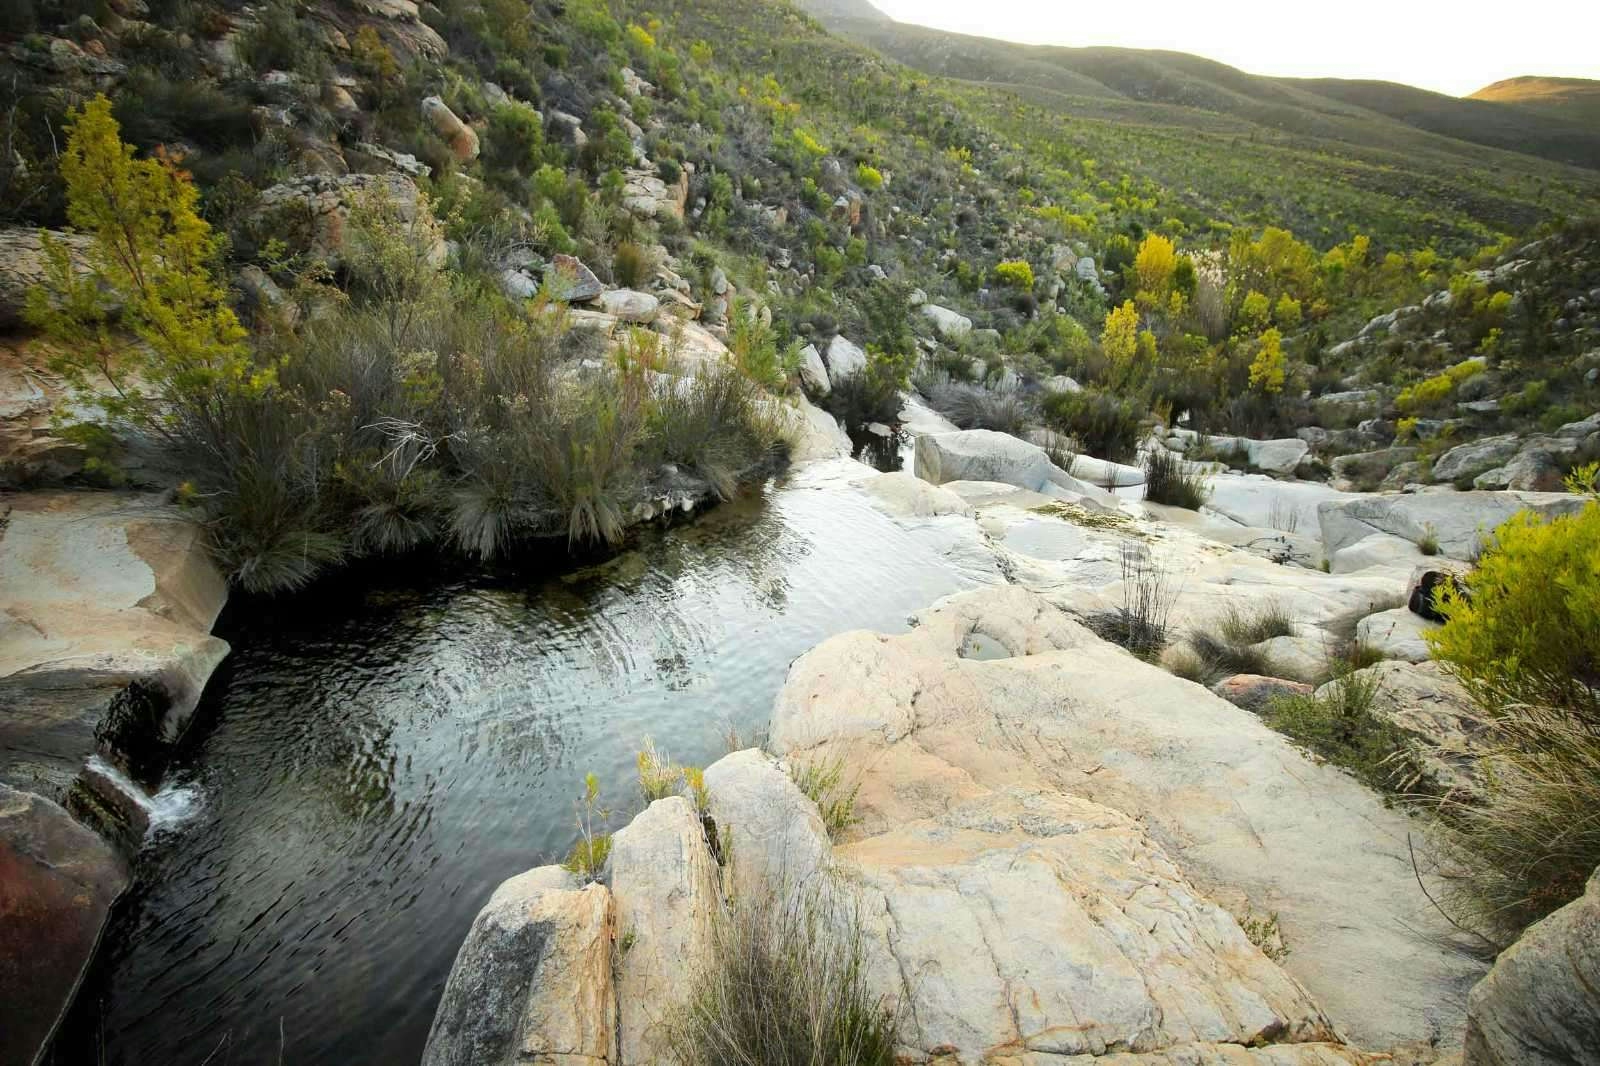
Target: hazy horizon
{"points": [[1471, 45]]}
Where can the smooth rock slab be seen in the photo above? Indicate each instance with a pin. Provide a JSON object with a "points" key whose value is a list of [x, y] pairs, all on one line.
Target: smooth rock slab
{"points": [[844, 359], [1038, 922], [1248, 818], [665, 884], [985, 455], [532, 982], [58, 881], [628, 305]]}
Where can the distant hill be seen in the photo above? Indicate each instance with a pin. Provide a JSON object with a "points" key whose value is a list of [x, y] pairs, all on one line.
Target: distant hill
{"points": [[1106, 80], [1572, 98], [843, 9]]}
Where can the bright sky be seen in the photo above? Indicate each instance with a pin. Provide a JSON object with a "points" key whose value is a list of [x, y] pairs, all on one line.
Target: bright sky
{"points": [[1455, 47]]}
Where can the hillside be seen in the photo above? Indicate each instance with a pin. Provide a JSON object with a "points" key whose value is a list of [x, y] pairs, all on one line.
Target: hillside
{"points": [[1396, 117], [1575, 99]]}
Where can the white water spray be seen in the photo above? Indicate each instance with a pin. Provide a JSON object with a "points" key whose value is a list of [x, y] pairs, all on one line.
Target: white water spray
{"points": [[169, 807]]}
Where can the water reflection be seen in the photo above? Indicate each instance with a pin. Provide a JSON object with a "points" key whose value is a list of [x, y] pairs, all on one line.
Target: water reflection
{"points": [[375, 761]]}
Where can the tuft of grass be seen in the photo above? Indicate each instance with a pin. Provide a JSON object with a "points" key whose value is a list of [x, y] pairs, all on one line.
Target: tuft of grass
{"points": [[787, 986], [588, 856], [977, 406], [632, 265], [1530, 840], [1339, 726], [1265, 933], [822, 781], [1428, 543], [658, 775], [1242, 626], [1167, 481], [1219, 657], [1140, 624]]}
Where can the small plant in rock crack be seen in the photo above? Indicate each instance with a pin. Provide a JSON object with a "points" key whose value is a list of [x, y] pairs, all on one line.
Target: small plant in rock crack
{"points": [[1140, 624], [1428, 543], [589, 854], [1167, 480], [822, 780], [1265, 933]]}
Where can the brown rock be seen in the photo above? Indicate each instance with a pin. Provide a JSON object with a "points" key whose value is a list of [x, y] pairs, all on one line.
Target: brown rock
{"points": [[461, 138], [58, 881], [1253, 691]]}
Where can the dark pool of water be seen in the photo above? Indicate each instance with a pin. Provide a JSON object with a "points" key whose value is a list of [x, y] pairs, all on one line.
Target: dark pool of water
{"points": [[375, 758]]}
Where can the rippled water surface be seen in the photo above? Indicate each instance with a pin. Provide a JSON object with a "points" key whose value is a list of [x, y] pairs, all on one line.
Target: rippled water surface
{"points": [[376, 757]]}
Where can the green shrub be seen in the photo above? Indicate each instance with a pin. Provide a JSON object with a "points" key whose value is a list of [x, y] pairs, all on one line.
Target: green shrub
{"points": [[822, 781], [514, 142], [631, 265], [659, 776], [1339, 726], [1017, 273], [1104, 424], [1525, 627], [972, 406], [1168, 481], [871, 394]]}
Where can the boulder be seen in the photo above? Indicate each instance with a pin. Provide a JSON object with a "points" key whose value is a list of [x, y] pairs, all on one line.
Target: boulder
{"points": [[1277, 456], [1295, 656], [1248, 820], [985, 455], [772, 831], [813, 371], [646, 195], [1396, 634], [843, 359], [1530, 470], [1380, 549], [22, 267], [103, 591], [1460, 522], [568, 278], [665, 884], [1539, 1005], [627, 305], [58, 881], [532, 982], [1426, 581], [517, 285], [949, 324], [1254, 692], [1474, 457], [461, 138]]}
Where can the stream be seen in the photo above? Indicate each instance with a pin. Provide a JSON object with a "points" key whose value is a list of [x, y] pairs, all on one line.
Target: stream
{"points": [[377, 755]]}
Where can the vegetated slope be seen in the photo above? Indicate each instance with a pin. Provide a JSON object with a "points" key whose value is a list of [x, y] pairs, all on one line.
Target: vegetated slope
{"points": [[1577, 99], [1357, 112], [845, 9]]}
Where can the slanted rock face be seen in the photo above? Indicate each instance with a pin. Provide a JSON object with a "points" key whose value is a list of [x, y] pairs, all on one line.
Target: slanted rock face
{"points": [[567, 278], [665, 884], [1460, 521], [1425, 701], [102, 590], [1396, 634], [1538, 1006], [813, 372], [325, 200], [532, 982], [1253, 822], [626, 305], [58, 881], [22, 266], [1474, 457]]}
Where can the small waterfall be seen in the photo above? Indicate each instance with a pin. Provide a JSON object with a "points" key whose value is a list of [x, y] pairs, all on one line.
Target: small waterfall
{"points": [[169, 807]]}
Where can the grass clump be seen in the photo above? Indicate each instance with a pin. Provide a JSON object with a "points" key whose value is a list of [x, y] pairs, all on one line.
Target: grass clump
{"points": [[1104, 424], [588, 856], [977, 406], [658, 774], [1140, 624], [822, 781], [1338, 724], [1428, 543], [1168, 481], [787, 986], [1226, 646]]}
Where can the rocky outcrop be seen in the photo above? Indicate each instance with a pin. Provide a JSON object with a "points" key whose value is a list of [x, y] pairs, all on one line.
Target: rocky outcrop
{"points": [[813, 371], [58, 881], [1540, 1005], [1474, 457], [1247, 818], [844, 359], [321, 203], [532, 983], [1254, 692], [1396, 634], [646, 195], [103, 591], [1433, 708], [568, 278], [1460, 522], [951, 325], [22, 267], [626, 305]]}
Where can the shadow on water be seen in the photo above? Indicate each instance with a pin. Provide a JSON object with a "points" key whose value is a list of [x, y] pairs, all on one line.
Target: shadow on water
{"points": [[374, 757]]}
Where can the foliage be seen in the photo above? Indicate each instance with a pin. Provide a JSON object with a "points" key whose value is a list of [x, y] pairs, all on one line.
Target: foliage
{"points": [[658, 775], [1103, 424], [1269, 367], [1017, 273], [869, 177], [151, 261], [588, 856], [1140, 624], [1524, 628], [1340, 726], [1155, 267]]}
